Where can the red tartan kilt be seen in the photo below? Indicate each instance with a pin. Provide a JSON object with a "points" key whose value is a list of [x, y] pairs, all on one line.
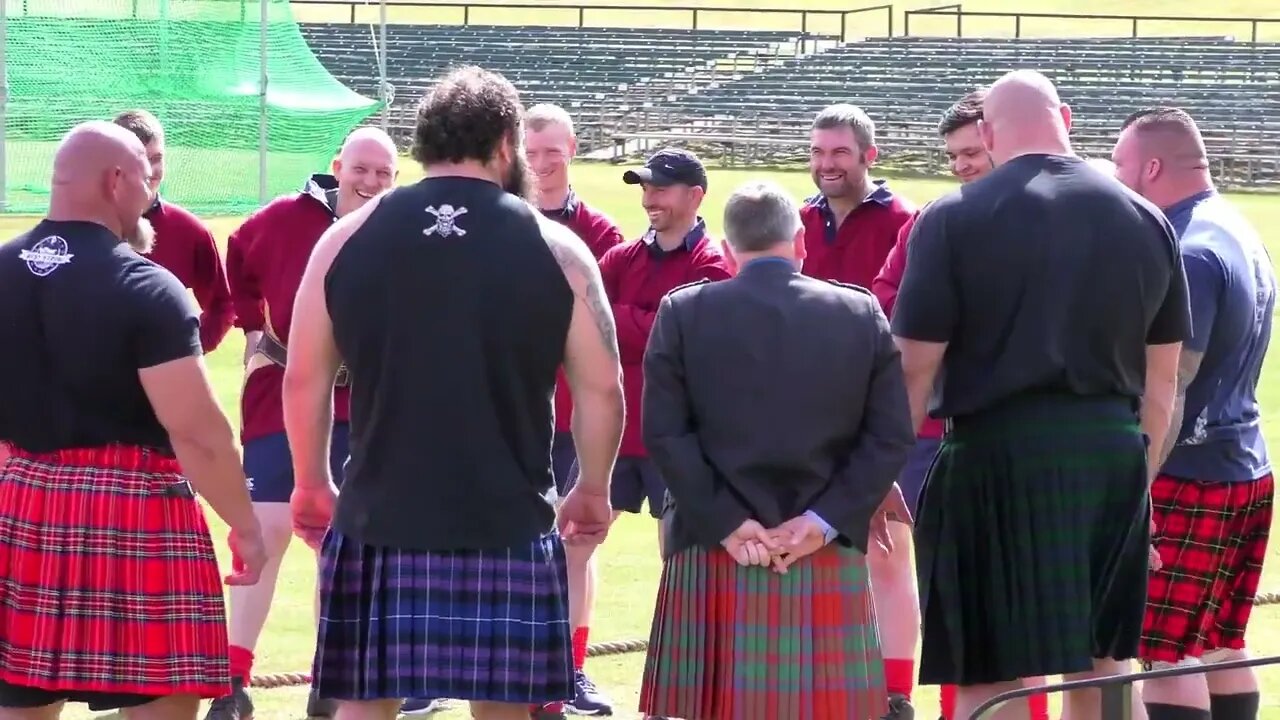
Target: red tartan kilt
{"points": [[108, 579], [1212, 539]]}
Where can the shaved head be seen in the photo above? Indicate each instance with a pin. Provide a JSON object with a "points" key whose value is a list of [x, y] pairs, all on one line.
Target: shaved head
{"points": [[1161, 155], [364, 167], [101, 174], [1023, 115]]}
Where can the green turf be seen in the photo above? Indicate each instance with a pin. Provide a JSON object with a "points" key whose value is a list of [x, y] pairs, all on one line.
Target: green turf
{"points": [[629, 564], [733, 14]]}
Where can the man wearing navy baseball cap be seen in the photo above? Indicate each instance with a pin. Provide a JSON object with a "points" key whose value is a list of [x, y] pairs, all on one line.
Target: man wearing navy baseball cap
{"points": [[637, 274], [669, 167]]}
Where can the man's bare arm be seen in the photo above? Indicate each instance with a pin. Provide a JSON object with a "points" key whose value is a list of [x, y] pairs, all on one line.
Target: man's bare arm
{"points": [[920, 364], [313, 360], [591, 361], [1158, 402], [1188, 366], [202, 437]]}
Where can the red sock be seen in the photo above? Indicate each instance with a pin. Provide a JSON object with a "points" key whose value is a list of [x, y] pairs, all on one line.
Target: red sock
{"points": [[580, 647], [1039, 706], [948, 702], [899, 677], [241, 663], [555, 707]]}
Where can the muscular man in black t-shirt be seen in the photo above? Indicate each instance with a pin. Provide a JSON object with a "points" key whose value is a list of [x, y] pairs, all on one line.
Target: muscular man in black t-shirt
{"points": [[110, 583], [1047, 299]]}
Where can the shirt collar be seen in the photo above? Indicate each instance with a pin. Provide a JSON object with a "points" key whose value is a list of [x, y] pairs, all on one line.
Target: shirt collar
{"points": [[769, 262], [154, 207], [1179, 213], [880, 194], [566, 211], [691, 238], [324, 188]]}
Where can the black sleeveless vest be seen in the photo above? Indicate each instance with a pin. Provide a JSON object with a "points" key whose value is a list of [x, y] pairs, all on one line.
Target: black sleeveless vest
{"points": [[451, 313]]}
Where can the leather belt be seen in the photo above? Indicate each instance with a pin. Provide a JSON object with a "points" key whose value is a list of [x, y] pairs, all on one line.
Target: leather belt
{"points": [[271, 351]]}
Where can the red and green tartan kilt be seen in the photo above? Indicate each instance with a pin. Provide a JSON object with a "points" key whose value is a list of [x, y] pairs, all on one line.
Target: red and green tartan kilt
{"points": [[745, 643], [1212, 539], [108, 579]]}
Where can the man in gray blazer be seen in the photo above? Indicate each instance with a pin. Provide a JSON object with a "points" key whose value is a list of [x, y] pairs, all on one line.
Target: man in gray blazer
{"points": [[775, 409]]}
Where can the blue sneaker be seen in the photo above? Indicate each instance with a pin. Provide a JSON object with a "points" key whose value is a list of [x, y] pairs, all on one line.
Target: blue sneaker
{"points": [[421, 706], [587, 699]]}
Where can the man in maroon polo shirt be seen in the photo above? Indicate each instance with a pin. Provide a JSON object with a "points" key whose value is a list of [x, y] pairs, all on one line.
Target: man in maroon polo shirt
{"points": [[184, 246], [674, 251], [549, 145], [266, 257], [849, 228]]}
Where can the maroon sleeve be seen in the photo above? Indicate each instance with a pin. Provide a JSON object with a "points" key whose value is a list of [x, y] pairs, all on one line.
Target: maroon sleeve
{"points": [[605, 237], [211, 291], [635, 324], [242, 282], [885, 286]]}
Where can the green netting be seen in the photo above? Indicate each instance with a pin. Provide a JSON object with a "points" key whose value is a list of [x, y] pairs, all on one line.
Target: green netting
{"points": [[195, 64]]}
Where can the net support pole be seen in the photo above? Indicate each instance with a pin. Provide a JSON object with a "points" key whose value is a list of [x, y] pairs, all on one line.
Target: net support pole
{"points": [[262, 102], [4, 107], [382, 62]]}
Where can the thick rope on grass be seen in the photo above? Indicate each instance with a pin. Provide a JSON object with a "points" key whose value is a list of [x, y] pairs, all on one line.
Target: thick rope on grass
{"points": [[617, 647], [294, 679]]}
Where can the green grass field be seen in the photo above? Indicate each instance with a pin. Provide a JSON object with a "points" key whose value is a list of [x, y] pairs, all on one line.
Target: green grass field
{"points": [[629, 563]]}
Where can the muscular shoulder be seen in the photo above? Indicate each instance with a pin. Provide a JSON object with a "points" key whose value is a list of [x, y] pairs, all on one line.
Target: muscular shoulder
{"points": [[571, 253], [278, 213]]}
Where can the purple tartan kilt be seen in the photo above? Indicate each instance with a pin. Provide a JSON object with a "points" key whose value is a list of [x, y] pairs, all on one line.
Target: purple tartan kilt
{"points": [[487, 625]]}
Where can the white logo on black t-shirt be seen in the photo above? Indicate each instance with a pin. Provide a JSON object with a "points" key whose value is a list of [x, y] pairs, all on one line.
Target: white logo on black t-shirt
{"points": [[446, 221], [46, 256]]}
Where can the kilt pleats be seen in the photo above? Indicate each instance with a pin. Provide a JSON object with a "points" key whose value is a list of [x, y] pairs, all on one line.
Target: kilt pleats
{"points": [[108, 578], [486, 625], [1032, 541], [745, 643], [1212, 540]]}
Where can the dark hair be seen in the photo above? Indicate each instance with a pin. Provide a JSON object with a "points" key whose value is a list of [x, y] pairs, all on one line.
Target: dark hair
{"points": [[142, 124], [465, 117], [1160, 118], [850, 116], [966, 111]]}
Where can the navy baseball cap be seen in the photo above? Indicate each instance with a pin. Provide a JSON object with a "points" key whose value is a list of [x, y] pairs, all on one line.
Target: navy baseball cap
{"points": [[669, 167]]}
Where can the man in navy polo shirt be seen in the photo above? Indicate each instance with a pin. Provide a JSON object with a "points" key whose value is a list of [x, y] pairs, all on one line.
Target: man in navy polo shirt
{"points": [[849, 229], [1212, 499], [549, 146]]}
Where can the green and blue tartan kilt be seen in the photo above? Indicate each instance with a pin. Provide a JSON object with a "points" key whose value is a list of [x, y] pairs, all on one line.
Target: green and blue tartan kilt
{"points": [[1032, 540], [746, 643]]}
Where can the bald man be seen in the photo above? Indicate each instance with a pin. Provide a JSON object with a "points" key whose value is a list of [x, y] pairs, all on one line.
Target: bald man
{"points": [[113, 429], [1213, 498], [265, 260], [1042, 331]]}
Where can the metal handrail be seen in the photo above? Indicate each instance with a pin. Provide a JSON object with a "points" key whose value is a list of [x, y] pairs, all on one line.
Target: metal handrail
{"points": [[1116, 689]]}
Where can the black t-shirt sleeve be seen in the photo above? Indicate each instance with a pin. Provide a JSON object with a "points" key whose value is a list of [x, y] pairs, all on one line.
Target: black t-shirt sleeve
{"points": [[928, 300], [1172, 322], [166, 322]]}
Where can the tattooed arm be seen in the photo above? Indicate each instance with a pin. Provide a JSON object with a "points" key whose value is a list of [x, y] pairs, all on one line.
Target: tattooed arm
{"points": [[1188, 366], [591, 361]]}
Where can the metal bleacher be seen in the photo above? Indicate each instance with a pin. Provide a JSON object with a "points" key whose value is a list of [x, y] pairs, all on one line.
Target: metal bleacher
{"points": [[1233, 89], [593, 72], [753, 94]]}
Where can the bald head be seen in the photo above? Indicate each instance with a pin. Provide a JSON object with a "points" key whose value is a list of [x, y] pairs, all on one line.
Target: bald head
{"points": [[101, 174], [91, 148], [364, 167], [1022, 114], [1161, 154]]}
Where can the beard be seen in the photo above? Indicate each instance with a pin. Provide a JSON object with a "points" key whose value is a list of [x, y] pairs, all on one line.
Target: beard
{"points": [[143, 237], [519, 180]]}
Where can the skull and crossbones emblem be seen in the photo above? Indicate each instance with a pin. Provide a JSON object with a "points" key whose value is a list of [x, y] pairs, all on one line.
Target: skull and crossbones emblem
{"points": [[446, 221]]}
